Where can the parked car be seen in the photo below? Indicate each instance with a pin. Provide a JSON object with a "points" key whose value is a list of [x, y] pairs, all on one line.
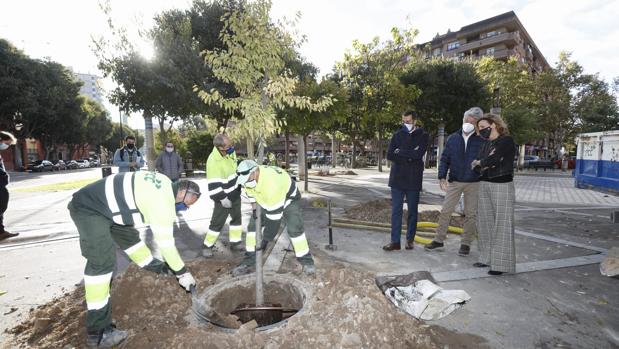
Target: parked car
{"points": [[528, 159], [83, 163], [59, 165], [41, 166], [571, 163], [72, 165]]}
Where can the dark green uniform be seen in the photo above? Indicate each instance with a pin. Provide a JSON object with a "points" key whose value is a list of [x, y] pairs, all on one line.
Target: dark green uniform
{"points": [[221, 179], [279, 198], [107, 211]]}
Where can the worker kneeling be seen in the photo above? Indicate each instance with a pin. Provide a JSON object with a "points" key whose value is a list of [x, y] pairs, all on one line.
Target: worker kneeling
{"points": [[277, 194], [105, 212]]}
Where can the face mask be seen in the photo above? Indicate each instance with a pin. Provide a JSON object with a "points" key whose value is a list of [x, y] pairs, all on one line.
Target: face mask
{"points": [[4, 146], [230, 150], [181, 206], [169, 149], [467, 127], [130, 146], [251, 184], [409, 127], [485, 133]]}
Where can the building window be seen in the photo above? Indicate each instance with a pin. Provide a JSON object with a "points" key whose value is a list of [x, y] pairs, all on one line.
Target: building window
{"points": [[490, 51], [453, 45], [437, 51], [490, 34]]}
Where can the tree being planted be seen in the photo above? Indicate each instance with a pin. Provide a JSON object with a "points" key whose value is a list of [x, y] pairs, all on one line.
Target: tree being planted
{"points": [[253, 62]]}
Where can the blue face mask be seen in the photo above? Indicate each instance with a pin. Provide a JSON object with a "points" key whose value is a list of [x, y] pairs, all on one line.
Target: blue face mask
{"points": [[181, 206], [230, 150]]}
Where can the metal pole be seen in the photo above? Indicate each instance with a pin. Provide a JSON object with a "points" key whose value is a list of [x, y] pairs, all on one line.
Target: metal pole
{"points": [[330, 246], [120, 117], [259, 279], [330, 229]]}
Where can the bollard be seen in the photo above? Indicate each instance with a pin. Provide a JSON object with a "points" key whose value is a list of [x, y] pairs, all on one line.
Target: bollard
{"points": [[188, 164], [331, 246], [106, 171]]}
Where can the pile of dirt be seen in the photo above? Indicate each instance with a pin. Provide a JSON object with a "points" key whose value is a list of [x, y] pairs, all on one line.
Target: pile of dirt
{"points": [[379, 211], [347, 310]]}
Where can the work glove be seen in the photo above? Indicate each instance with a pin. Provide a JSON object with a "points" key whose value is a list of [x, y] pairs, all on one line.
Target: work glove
{"points": [[226, 203], [186, 280]]}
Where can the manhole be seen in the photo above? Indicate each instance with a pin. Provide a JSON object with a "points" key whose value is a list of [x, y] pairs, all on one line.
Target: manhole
{"points": [[231, 303]]}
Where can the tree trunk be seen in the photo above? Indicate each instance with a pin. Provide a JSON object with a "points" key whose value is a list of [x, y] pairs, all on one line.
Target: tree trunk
{"points": [[250, 149], [301, 162], [149, 140], [287, 149], [353, 158], [380, 154], [429, 152], [521, 157], [305, 174], [333, 152], [260, 150], [441, 141]]}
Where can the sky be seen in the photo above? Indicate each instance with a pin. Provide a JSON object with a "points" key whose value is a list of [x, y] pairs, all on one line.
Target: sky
{"points": [[62, 29]]}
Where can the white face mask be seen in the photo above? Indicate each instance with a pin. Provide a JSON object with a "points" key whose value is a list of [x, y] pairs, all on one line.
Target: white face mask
{"points": [[467, 127], [4, 146], [409, 127], [169, 149], [250, 184]]}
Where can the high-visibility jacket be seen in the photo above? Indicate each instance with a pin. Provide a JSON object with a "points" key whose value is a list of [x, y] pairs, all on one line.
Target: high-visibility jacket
{"points": [[221, 176], [274, 191], [136, 198]]}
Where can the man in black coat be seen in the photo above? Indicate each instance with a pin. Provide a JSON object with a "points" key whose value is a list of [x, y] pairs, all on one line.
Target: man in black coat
{"points": [[6, 140], [406, 150]]}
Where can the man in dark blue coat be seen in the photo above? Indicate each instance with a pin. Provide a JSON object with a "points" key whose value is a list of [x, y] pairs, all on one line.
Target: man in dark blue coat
{"points": [[461, 149], [406, 150]]}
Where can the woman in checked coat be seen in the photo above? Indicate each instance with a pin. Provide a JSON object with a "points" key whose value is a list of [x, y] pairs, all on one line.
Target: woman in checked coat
{"points": [[495, 212]]}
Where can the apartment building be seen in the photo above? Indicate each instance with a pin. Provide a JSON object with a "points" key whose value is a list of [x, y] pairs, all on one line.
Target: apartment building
{"points": [[91, 86], [502, 36]]}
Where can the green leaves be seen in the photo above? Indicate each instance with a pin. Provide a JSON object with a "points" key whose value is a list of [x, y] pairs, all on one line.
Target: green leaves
{"points": [[253, 60]]}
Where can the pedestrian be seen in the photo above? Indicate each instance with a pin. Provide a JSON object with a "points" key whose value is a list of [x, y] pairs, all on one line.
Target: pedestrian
{"points": [[128, 158], [225, 193], [406, 150], [461, 149], [169, 162], [495, 212], [105, 214], [6, 140], [272, 188]]}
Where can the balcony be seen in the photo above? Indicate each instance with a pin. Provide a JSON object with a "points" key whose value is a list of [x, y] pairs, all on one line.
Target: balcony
{"points": [[511, 39]]}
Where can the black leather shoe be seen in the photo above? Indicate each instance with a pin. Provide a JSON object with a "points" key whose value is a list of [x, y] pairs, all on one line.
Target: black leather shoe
{"points": [[465, 250], [392, 246], [410, 244], [480, 265], [494, 272], [434, 246]]}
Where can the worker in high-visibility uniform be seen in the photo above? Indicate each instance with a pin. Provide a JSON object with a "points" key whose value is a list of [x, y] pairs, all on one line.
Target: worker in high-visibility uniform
{"points": [[277, 194], [106, 212], [225, 193]]}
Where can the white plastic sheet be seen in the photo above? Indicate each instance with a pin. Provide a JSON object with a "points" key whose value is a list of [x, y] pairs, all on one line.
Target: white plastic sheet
{"points": [[425, 300]]}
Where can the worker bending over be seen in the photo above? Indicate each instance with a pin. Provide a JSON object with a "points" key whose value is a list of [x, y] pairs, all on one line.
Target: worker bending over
{"points": [[277, 194], [106, 212]]}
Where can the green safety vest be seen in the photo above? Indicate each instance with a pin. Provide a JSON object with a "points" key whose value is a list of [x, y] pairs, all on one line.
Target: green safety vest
{"points": [[133, 198], [221, 176], [274, 191]]}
